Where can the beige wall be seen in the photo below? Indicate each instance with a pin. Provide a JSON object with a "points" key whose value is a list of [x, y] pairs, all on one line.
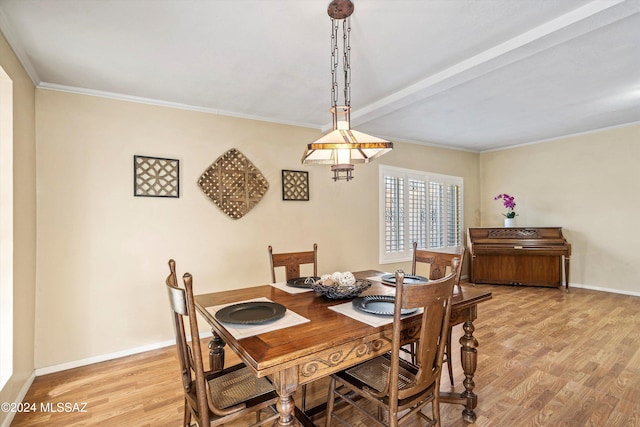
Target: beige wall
{"points": [[590, 186], [102, 253], [24, 224]]}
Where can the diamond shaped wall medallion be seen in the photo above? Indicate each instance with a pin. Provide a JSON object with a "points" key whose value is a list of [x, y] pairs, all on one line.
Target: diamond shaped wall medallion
{"points": [[234, 184]]}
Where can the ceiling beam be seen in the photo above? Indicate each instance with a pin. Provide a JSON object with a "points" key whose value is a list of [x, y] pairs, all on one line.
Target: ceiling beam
{"points": [[576, 23]]}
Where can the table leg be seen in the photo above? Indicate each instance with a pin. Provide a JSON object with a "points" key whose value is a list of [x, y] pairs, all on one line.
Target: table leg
{"points": [[216, 352], [469, 361], [285, 383]]}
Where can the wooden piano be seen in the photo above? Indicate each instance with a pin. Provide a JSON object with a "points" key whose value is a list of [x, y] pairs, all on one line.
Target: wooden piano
{"points": [[519, 256]]}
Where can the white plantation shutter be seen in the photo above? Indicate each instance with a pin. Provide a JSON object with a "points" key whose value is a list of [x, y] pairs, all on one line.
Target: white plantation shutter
{"points": [[454, 215], [445, 215], [436, 216], [417, 212], [418, 207], [394, 214]]}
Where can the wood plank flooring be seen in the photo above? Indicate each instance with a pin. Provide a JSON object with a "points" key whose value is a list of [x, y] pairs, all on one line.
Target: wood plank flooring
{"points": [[546, 358]]}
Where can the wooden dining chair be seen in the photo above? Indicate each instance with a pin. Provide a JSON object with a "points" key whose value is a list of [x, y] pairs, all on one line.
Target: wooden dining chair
{"points": [[212, 398], [392, 384], [440, 264], [292, 262]]}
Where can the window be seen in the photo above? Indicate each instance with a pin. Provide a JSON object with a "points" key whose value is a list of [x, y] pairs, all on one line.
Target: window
{"points": [[417, 206]]}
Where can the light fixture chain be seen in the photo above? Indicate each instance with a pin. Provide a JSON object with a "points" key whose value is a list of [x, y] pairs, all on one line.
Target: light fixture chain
{"points": [[342, 147], [334, 62], [346, 60]]}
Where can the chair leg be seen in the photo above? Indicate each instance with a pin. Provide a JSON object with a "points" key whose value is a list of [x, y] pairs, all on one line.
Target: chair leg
{"points": [[304, 398], [186, 421], [330, 399], [448, 353], [435, 410]]}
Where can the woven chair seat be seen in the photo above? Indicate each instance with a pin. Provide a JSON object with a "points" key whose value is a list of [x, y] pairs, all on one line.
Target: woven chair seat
{"points": [[375, 374], [238, 386]]}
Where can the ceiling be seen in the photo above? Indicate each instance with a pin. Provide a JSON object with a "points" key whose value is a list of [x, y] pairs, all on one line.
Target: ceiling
{"points": [[468, 74]]}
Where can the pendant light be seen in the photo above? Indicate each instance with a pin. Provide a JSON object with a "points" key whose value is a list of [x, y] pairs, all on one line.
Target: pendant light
{"points": [[343, 146]]}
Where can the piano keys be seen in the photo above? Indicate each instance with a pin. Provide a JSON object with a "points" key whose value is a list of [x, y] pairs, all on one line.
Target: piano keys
{"points": [[531, 256]]}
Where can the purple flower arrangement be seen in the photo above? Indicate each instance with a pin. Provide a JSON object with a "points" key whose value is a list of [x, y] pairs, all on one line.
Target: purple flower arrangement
{"points": [[509, 203]]}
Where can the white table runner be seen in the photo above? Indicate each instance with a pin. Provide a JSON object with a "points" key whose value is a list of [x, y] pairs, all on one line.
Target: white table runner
{"points": [[239, 331]]}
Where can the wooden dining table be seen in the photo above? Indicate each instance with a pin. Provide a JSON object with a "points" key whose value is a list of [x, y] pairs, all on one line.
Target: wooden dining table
{"points": [[330, 341]]}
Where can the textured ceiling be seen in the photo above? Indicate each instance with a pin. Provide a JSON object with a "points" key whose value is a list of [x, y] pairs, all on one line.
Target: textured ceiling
{"points": [[469, 74]]}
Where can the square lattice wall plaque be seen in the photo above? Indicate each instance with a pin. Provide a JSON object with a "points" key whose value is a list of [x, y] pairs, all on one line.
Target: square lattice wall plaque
{"points": [[156, 177], [295, 185]]}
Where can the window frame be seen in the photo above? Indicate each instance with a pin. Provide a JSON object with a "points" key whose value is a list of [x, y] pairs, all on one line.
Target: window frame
{"points": [[6, 228], [428, 177]]}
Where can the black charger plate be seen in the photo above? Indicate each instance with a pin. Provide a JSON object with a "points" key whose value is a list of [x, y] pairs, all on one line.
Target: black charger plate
{"points": [[251, 312], [390, 279], [299, 282], [382, 305]]}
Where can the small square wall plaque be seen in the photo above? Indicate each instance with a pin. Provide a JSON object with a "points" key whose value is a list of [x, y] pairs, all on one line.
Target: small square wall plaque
{"points": [[156, 177], [295, 185]]}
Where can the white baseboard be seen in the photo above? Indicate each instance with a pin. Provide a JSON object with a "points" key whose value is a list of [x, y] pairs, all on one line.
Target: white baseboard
{"points": [[110, 356], [101, 358], [601, 289], [592, 288], [19, 398]]}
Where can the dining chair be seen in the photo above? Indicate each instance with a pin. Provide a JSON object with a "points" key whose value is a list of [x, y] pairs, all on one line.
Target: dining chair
{"points": [[440, 264], [292, 262], [212, 398], [392, 384]]}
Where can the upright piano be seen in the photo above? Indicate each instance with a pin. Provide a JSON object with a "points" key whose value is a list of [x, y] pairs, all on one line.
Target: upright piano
{"points": [[530, 256]]}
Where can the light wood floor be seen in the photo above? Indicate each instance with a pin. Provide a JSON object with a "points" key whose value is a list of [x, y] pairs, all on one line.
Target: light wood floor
{"points": [[546, 358]]}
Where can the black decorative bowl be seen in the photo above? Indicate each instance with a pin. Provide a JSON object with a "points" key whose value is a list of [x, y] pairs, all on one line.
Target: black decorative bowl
{"points": [[341, 291]]}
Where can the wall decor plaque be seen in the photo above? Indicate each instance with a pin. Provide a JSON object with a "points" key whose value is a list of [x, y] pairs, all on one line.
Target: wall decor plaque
{"points": [[233, 183], [156, 177], [295, 185]]}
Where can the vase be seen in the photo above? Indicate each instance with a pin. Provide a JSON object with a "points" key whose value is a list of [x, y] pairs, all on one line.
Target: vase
{"points": [[509, 222]]}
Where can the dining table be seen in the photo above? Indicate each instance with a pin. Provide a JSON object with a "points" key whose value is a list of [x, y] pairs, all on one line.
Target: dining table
{"points": [[319, 336]]}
